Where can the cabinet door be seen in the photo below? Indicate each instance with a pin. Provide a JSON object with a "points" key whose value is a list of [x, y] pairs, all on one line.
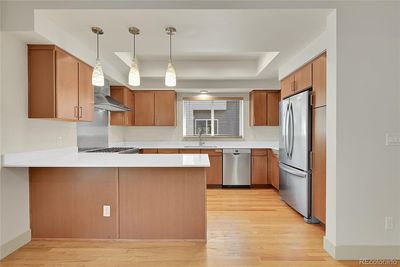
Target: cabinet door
{"points": [[259, 169], [117, 117], [165, 108], [214, 172], [67, 106], [258, 108], [287, 86], [144, 108], [303, 78], [319, 81], [275, 171], [189, 151], [319, 163], [148, 151], [86, 94], [130, 103], [273, 108]]}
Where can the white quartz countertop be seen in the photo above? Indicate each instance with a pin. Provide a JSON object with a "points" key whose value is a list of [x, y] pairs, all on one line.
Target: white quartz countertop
{"points": [[195, 144], [71, 158]]}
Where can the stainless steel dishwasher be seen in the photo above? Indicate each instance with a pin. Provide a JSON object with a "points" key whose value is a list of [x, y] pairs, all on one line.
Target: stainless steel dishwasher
{"points": [[236, 167]]}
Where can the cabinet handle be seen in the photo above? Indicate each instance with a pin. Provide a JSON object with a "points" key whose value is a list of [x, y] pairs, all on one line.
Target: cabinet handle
{"points": [[81, 115], [76, 111]]}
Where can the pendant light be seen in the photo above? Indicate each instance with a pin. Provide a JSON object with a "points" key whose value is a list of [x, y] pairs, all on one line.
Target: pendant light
{"points": [[134, 74], [170, 75], [97, 75]]}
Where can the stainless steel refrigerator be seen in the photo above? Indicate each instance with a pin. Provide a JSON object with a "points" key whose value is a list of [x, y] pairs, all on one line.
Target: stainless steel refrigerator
{"points": [[295, 152]]}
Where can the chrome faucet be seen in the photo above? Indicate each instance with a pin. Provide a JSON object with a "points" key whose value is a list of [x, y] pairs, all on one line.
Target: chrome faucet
{"points": [[201, 142]]}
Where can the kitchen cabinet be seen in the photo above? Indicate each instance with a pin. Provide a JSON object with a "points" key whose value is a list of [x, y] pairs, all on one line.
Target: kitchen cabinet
{"points": [[274, 169], [168, 151], [264, 108], [68, 202], [59, 85], [189, 151], [155, 108], [287, 86], [214, 172], [319, 81], [319, 163], [165, 108], [125, 96], [259, 167], [303, 78], [148, 151], [144, 108]]}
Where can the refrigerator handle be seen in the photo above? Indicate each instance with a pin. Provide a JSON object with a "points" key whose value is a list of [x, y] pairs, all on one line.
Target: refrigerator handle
{"points": [[292, 131], [285, 139], [292, 171]]}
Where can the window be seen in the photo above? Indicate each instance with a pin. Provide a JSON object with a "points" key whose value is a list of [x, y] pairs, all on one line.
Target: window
{"points": [[213, 117]]}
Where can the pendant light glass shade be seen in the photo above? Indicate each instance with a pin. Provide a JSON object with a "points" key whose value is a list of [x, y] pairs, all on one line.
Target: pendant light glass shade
{"points": [[170, 75], [134, 74], [97, 75]]}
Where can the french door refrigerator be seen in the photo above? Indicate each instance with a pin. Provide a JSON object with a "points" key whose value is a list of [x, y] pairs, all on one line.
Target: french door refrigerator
{"points": [[294, 153]]}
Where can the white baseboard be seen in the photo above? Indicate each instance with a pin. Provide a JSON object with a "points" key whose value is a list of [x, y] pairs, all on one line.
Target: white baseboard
{"points": [[362, 252], [14, 244]]}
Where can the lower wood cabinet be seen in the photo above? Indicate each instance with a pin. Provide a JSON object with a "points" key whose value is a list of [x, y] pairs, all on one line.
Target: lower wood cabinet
{"points": [[259, 167], [168, 151], [274, 169], [68, 202], [148, 151], [214, 173], [319, 163]]}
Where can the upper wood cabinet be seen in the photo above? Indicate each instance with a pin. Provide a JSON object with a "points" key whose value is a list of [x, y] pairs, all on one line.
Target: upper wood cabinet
{"points": [[126, 97], [59, 85], [144, 108], [165, 108], [303, 78], [287, 86], [264, 108], [319, 81], [155, 108]]}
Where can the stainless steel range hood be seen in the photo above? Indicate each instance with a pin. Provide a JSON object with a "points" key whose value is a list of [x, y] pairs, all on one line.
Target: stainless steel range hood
{"points": [[105, 102]]}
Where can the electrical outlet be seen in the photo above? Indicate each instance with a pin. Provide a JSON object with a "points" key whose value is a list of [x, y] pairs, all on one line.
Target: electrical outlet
{"points": [[106, 211], [392, 139], [389, 223]]}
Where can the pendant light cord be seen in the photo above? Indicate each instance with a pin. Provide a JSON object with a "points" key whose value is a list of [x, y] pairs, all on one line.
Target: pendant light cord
{"points": [[134, 46], [170, 46], [98, 49]]}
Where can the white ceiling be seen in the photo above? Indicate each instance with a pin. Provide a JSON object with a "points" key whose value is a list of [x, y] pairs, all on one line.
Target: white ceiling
{"points": [[209, 44]]}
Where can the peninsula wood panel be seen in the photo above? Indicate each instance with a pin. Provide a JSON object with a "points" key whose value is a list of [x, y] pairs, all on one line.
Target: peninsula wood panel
{"points": [[67, 85], [144, 108], [214, 172], [287, 86], [165, 108], [86, 93], [189, 151], [171, 203], [68, 202], [319, 81], [319, 163], [303, 78], [258, 108]]}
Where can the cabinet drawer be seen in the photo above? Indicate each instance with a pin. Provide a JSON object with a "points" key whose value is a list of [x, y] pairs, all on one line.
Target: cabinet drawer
{"points": [[212, 152], [259, 152], [189, 151]]}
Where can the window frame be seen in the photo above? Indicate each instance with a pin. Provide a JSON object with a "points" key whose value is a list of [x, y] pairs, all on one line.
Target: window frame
{"points": [[210, 98]]}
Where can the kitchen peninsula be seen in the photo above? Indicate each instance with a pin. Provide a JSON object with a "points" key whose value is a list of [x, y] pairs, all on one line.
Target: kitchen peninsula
{"points": [[115, 196]]}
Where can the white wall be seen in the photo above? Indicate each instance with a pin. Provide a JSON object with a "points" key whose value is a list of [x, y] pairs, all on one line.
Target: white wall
{"points": [[136, 133], [18, 133]]}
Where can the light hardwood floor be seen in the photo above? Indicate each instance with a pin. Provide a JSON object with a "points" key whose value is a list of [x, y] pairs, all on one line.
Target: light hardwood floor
{"points": [[248, 228]]}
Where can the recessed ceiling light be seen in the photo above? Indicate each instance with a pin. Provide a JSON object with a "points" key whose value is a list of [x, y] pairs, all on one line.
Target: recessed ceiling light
{"points": [[204, 91]]}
